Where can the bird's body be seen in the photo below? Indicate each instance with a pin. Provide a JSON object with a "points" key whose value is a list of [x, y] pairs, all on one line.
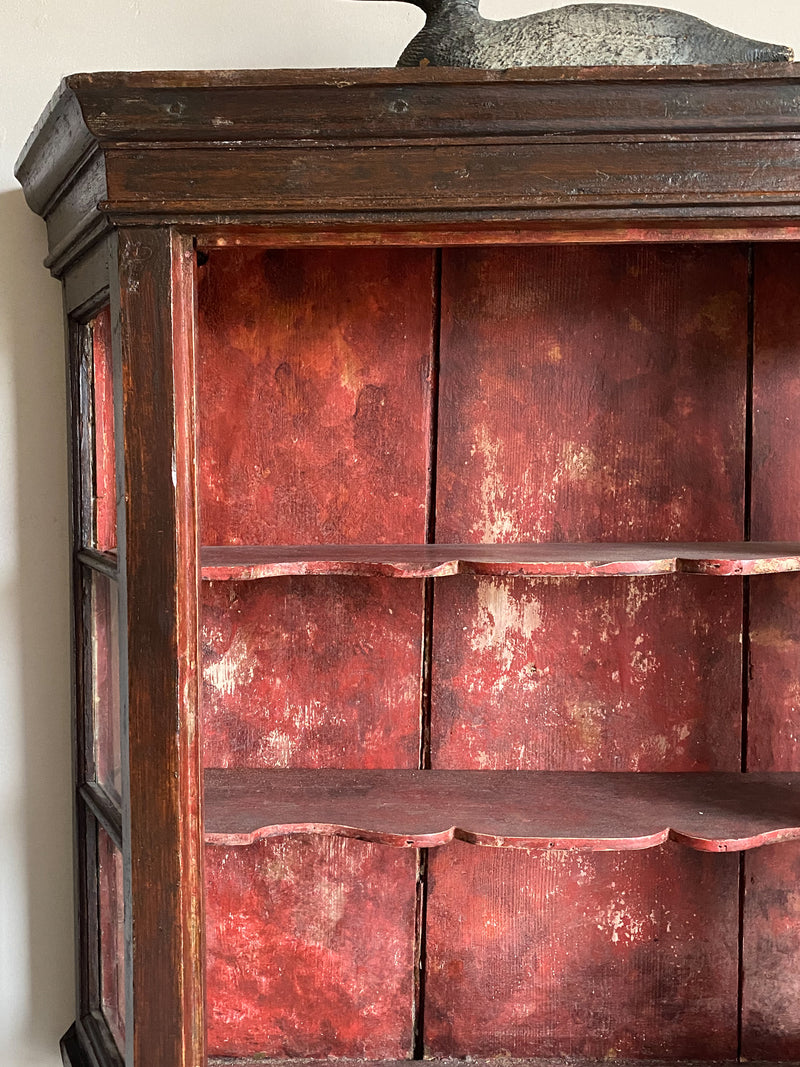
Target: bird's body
{"points": [[456, 35]]}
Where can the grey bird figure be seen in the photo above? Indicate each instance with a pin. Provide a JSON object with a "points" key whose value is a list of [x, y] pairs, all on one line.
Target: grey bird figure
{"points": [[457, 35]]}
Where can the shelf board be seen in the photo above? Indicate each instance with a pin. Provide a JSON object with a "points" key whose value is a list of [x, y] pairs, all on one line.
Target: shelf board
{"points": [[504, 1061], [242, 562], [585, 810]]}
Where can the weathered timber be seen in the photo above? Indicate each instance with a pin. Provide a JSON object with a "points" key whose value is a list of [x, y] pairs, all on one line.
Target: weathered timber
{"points": [[248, 562], [593, 811]]}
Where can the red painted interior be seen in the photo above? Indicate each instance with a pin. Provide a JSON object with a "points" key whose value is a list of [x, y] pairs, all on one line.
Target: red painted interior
{"points": [[314, 396], [586, 394], [771, 927], [105, 486]]}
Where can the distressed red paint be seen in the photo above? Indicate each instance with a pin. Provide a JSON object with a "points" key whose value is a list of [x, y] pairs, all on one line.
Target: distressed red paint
{"points": [[597, 954], [314, 396], [309, 951], [578, 388], [104, 453], [311, 672], [771, 926], [247, 562], [313, 386]]}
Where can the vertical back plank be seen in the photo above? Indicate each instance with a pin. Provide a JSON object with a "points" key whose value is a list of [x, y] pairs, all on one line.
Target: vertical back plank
{"points": [[771, 921], [164, 822], [578, 388], [315, 416]]}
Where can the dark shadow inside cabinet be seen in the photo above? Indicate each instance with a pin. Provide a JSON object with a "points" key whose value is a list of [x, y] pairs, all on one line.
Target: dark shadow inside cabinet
{"points": [[486, 395]]}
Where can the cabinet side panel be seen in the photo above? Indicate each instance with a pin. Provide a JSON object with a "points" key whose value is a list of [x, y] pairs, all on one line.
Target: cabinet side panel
{"points": [[578, 388], [315, 422], [771, 927]]}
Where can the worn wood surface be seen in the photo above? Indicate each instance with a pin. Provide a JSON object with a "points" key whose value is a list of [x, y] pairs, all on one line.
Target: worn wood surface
{"points": [[304, 421], [514, 809], [771, 922], [310, 948], [583, 145], [311, 671], [590, 955], [155, 298], [578, 388], [249, 562]]}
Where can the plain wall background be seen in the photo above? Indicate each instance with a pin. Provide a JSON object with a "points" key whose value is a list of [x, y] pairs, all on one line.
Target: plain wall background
{"points": [[42, 40]]}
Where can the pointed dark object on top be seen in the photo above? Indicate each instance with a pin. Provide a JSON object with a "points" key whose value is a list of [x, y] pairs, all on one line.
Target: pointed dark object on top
{"points": [[456, 35]]}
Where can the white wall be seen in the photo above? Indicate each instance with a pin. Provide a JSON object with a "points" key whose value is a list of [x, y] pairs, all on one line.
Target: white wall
{"points": [[42, 40]]}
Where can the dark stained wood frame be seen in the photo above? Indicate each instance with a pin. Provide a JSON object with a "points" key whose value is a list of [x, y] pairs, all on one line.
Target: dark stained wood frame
{"points": [[130, 171]]}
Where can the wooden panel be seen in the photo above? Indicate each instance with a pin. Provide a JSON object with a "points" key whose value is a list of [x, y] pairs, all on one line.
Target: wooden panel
{"points": [[314, 392], [313, 387], [246, 562], [105, 471], [165, 840], [367, 104], [111, 909], [578, 388], [592, 394], [598, 955], [311, 672], [577, 675], [771, 986], [309, 949], [505, 809]]}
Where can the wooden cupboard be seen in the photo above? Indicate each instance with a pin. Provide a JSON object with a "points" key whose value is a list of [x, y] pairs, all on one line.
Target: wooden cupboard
{"points": [[434, 459]]}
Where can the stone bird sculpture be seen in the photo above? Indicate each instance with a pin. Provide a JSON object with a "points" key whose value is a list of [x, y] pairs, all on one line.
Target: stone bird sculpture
{"points": [[457, 35]]}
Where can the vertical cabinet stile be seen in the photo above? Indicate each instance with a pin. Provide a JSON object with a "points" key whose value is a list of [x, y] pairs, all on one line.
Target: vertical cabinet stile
{"points": [[156, 275]]}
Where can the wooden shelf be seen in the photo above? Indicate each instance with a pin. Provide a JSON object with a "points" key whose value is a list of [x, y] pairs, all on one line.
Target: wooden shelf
{"points": [[591, 811], [242, 562]]}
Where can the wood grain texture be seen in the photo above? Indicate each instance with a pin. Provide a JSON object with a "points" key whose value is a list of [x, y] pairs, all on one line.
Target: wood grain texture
{"points": [[249, 562], [591, 955], [505, 809], [305, 421], [310, 951], [771, 987], [618, 142], [314, 397], [311, 672], [155, 299], [578, 387]]}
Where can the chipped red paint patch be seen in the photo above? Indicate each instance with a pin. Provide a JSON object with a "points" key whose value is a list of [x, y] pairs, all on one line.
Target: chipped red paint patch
{"points": [[597, 955], [309, 951], [592, 394], [616, 674], [311, 672], [313, 392]]}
